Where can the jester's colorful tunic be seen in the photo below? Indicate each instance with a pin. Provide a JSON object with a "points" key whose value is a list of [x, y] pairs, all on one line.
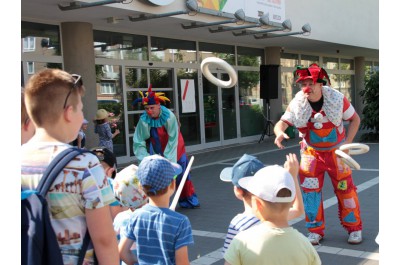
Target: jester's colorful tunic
{"points": [[166, 140], [322, 133]]}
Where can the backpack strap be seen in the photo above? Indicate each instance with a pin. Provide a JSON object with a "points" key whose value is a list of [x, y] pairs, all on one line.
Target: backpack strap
{"points": [[51, 173], [55, 167], [85, 245]]}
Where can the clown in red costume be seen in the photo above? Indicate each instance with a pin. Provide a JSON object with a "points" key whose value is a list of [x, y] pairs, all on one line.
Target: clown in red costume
{"points": [[157, 132], [318, 112]]}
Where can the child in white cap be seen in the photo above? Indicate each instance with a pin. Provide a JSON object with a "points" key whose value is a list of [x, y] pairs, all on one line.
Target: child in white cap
{"points": [[128, 194], [129, 197], [273, 241], [161, 235], [247, 166]]}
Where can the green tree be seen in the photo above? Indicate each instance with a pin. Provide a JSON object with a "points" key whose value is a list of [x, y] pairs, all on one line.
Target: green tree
{"points": [[371, 110]]}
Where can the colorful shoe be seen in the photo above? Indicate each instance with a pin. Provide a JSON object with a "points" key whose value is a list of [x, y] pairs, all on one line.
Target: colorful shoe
{"points": [[190, 202], [355, 237], [314, 238], [188, 205]]}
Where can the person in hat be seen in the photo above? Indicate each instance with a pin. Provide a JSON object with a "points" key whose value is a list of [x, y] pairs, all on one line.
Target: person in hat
{"points": [[161, 235], [80, 140], [318, 112], [247, 166], [273, 241], [103, 129], [159, 126], [129, 196]]}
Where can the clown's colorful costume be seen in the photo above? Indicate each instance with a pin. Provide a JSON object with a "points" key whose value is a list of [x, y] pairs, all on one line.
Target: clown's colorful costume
{"points": [[164, 138], [323, 132]]}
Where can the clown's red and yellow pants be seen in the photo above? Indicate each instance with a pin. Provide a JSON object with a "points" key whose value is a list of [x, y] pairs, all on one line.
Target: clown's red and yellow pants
{"points": [[313, 166]]}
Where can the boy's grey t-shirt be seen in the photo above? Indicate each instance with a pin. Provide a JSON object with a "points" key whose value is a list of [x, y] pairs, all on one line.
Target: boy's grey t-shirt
{"points": [[158, 233]]}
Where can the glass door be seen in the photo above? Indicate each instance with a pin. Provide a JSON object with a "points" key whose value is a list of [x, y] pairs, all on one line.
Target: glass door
{"points": [[219, 104]]}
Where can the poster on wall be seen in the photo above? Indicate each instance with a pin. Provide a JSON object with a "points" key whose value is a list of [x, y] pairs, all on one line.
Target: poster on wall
{"points": [[188, 96], [252, 8]]}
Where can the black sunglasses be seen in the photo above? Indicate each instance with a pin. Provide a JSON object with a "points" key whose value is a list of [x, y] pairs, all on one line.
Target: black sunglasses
{"points": [[78, 83], [99, 153]]}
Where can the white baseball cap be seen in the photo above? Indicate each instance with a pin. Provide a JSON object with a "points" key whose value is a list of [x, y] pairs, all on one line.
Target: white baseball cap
{"points": [[268, 181]]}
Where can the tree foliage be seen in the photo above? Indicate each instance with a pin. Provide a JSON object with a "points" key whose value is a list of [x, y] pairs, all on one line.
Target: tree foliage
{"points": [[371, 109]]}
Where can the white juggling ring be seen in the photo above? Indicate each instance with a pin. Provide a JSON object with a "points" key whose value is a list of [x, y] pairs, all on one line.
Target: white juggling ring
{"points": [[224, 65], [347, 159], [355, 148]]}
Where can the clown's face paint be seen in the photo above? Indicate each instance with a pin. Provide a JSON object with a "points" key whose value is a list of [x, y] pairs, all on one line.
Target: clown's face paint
{"points": [[153, 110], [312, 91]]}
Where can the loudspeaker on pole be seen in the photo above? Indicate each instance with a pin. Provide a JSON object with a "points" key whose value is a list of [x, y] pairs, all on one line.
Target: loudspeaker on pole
{"points": [[269, 75]]}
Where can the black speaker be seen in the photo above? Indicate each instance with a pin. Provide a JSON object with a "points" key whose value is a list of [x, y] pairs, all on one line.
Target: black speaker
{"points": [[269, 81]]}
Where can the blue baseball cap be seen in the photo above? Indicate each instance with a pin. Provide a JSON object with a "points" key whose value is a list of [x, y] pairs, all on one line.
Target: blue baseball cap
{"points": [[157, 172], [246, 166]]}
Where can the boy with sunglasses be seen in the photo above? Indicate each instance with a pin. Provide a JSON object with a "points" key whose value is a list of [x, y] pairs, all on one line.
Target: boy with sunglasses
{"points": [[80, 196]]}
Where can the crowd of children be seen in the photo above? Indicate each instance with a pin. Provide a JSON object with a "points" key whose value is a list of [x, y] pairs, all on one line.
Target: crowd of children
{"points": [[127, 213]]}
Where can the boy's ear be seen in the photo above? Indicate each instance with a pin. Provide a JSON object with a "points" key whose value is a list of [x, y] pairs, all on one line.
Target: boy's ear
{"points": [[173, 184], [238, 192], [68, 111], [110, 171], [258, 203]]}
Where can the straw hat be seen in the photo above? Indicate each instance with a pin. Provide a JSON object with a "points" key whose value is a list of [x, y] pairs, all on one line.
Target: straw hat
{"points": [[101, 114]]}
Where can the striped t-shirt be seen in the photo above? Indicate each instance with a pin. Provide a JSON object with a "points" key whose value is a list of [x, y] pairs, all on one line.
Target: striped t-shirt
{"points": [[239, 223], [158, 233]]}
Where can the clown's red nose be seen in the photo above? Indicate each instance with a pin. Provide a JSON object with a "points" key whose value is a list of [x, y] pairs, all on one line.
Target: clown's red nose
{"points": [[306, 89]]}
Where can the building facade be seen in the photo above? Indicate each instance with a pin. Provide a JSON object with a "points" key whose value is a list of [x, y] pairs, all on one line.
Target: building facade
{"points": [[121, 48]]}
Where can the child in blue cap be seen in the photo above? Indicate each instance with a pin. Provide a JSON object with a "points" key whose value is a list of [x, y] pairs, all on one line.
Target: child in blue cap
{"points": [[161, 235]]}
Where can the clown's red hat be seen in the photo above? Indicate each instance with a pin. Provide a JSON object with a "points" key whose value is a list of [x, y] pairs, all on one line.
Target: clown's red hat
{"points": [[314, 72], [150, 97]]}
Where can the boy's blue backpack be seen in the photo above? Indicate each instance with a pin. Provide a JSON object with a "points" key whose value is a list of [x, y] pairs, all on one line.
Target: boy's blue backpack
{"points": [[38, 240]]}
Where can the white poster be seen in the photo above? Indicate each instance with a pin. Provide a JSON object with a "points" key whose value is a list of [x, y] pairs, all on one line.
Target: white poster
{"points": [[188, 96]]}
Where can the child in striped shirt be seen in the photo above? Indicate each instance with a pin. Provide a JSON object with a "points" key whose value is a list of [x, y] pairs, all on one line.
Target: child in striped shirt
{"points": [[161, 235]]}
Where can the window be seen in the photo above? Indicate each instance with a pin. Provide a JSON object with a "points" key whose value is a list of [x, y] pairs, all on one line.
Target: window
{"points": [[307, 60], [249, 56], [250, 104], [31, 67], [122, 46], [107, 88], [29, 44], [225, 52], [289, 59], [346, 64], [330, 63], [42, 39], [172, 50]]}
